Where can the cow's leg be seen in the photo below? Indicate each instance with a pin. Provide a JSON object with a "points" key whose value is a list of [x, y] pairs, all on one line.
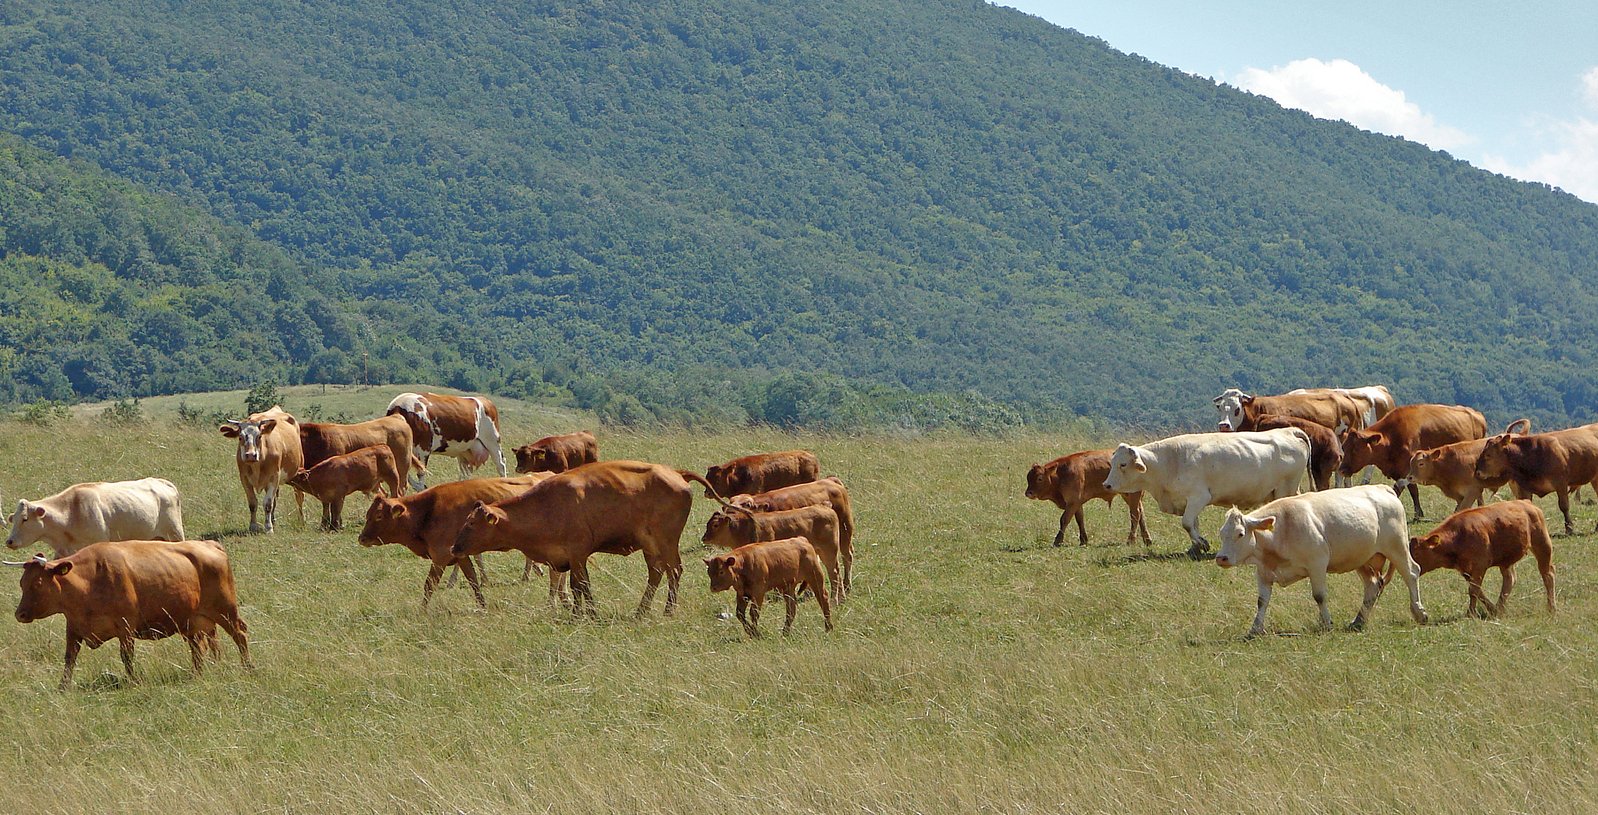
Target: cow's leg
{"points": [[655, 571], [1317, 587], [792, 601], [1065, 521], [528, 569], [1190, 518], [846, 552], [1414, 498], [73, 646], [435, 572], [1473, 495], [673, 582], [196, 658], [1139, 519], [1410, 571], [582, 595], [482, 568], [821, 600], [269, 506], [1507, 580], [417, 483], [1371, 575], [743, 616], [558, 598], [755, 604], [235, 628], [472, 580], [1473, 580], [251, 498], [1261, 604], [125, 645], [327, 516], [338, 513]]}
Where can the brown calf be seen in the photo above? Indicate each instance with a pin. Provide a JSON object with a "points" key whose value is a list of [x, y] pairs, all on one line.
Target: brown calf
{"points": [[1392, 441], [783, 566], [731, 528], [763, 472], [1540, 463], [557, 454], [367, 470], [1475, 540], [829, 490], [1072, 481], [1452, 469]]}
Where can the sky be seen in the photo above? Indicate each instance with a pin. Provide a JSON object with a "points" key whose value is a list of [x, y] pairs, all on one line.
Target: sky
{"points": [[1508, 87]]}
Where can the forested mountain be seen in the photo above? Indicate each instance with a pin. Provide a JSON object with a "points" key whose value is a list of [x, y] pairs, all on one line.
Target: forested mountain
{"points": [[691, 206]]}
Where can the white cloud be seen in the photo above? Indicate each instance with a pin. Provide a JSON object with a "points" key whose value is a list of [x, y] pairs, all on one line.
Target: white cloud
{"points": [[1339, 89], [1589, 87], [1570, 162]]}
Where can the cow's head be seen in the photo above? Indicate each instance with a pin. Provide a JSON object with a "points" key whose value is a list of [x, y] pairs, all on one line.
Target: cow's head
{"points": [[478, 534], [41, 588], [249, 433], [387, 521], [723, 570], [530, 459], [724, 528], [28, 525], [1430, 552], [1423, 466], [301, 480], [1231, 407], [1128, 469], [1037, 482], [1240, 538], [1493, 463], [1362, 448]]}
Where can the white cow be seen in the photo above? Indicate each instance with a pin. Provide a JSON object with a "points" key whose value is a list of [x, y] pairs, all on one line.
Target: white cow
{"points": [[1185, 474], [1320, 533], [147, 509]]}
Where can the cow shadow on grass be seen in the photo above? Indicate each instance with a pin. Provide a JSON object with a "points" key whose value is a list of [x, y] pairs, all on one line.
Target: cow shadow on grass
{"points": [[1151, 556]]}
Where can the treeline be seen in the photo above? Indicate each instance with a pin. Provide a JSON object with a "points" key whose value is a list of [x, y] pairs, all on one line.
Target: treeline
{"points": [[602, 202]]}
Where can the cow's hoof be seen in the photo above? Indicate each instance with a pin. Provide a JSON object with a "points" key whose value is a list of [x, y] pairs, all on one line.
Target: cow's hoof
{"points": [[1357, 625]]}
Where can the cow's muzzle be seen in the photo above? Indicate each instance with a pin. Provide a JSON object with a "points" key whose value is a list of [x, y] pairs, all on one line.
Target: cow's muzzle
{"points": [[1223, 561]]}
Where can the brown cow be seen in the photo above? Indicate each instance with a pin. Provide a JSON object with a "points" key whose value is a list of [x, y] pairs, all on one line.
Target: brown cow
{"points": [[1241, 411], [763, 472], [616, 507], [1452, 469], [1325, 451], [1475, 540], [1392, 441], [734, 527], [557, 454], [365, 470], [1540, 463], [829, 490], [268, 455], [320, 441], [147, 590], [464, 427], [426, 522], [1072, 481], [783, 566]]}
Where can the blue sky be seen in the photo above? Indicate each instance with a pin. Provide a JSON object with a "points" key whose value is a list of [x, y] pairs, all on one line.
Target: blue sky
{"points": [[1512, 88]]}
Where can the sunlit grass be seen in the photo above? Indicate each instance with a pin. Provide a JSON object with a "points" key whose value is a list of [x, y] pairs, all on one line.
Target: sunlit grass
{"points": [[975, 669]]}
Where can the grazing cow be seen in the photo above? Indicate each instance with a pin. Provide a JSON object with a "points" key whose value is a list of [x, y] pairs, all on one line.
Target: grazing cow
{"points": [[464, 427], [783, 566], [1392, 441], [147, 590], [829, 490], [763, 472], [320, 441], [1072, 481], [1452, 469], [557, 454], [616, 507], [1184, 474], [1241, 411], [146, 509], [818, 523], [426, 522], [1374, 401], [1320, 533], [269, 454], [1325, 451], [365, 470], [1475, 540], [1540, 463]]}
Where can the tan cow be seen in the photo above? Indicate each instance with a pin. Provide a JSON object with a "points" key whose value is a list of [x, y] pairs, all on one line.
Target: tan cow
{"points": [[146, 509], [615, 507], [1241, 411], [734, 527], [367, 470], [463, 427], [1072, 481], [557, 454], [784, 566], [1392, 442], [1452, 469], [268, 455], [426, 523], [128, 590], [763, 472], [1475, 540]]}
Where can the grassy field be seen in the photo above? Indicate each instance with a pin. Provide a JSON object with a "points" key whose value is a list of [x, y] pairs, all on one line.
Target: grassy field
{"points": [[975, 669]]}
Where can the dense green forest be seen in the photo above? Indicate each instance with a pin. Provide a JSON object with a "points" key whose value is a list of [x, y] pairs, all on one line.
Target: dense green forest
{"points": [[791, 212]]}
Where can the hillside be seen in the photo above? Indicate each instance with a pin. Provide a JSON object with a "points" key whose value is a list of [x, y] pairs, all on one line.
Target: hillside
{"points": [[677, 202]]}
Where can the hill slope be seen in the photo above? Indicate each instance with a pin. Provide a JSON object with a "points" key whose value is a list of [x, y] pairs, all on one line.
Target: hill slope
{"points": [[940, 196]]}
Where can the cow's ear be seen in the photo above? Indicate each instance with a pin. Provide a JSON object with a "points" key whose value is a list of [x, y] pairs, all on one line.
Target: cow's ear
{"points": [[1137, 463], [267, 425], [231, 431], [59, 567], [36, 511], [1260, 524]]}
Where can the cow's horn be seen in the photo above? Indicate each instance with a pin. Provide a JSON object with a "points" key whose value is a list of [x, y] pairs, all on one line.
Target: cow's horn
{"points": [[39, 559]]}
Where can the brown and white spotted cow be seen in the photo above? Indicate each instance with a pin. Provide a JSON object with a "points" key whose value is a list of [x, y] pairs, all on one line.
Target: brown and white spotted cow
{"points": [[464, 427]]}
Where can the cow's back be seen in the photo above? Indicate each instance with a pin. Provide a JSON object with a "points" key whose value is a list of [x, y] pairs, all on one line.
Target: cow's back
{"points": [[442, 510], [1350, 524], [1237, 469]]}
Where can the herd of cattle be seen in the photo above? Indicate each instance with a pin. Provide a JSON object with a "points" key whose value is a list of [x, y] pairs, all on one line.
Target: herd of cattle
{"points": [[1265, 445], [124, 570]]}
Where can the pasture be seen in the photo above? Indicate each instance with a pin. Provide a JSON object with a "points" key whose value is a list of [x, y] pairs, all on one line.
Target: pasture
{"points": [[975, 669]]}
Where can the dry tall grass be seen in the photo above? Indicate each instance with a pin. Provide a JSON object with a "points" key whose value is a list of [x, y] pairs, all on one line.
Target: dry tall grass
{"points": [[976, 669]]}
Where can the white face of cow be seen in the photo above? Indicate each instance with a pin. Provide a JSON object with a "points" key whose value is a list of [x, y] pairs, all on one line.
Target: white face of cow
{"points": [[1239, 538], [1127, 470], [27, 525], [1230, 406]]}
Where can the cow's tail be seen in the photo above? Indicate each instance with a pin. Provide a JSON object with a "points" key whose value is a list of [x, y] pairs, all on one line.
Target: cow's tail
{"points": [[1309, 455], [690, 475]]}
